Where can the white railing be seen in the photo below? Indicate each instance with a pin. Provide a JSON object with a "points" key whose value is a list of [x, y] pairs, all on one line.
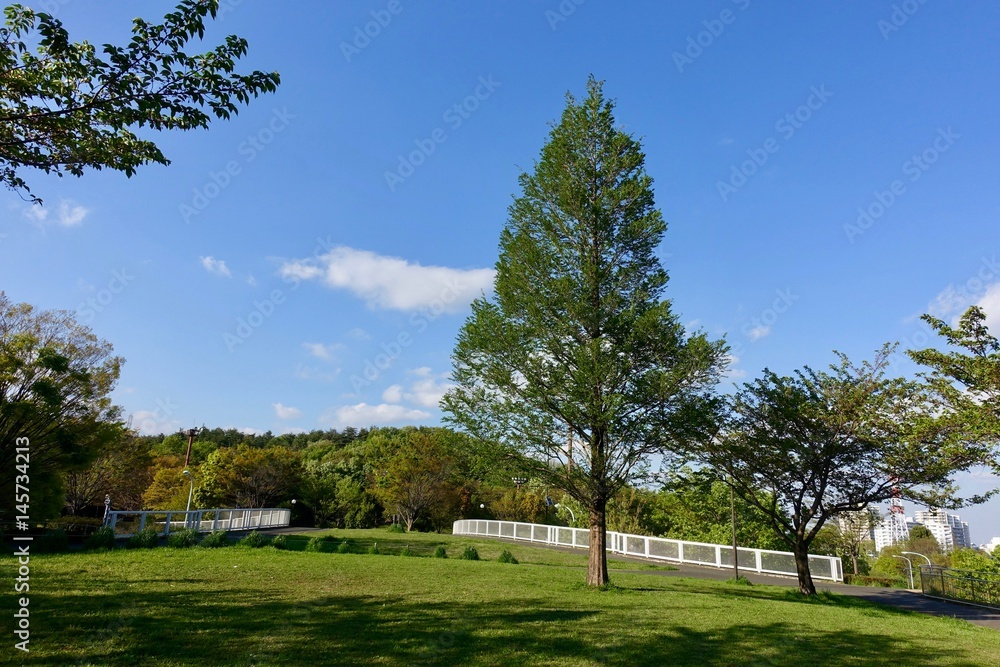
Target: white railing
{"points": [[126, 524], [781, 563]]}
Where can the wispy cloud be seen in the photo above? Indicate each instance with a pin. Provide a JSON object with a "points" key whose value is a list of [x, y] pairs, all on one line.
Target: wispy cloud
{"points": [[323, 351], [316, 373], [67, 214], [286, 411], [426, 392], [216, 266], [363, 415], [392, 283], [758, 332]]}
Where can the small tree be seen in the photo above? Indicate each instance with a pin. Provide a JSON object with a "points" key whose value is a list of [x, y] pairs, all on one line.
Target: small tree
{"points": [[578, 371], [63, 108], [418, 479], [821, 444], [248, 477], [855, 530]]}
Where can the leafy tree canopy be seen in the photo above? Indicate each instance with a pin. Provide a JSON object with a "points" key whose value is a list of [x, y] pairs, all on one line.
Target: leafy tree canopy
{"points": [[66, 106], [55, 380], [578, 370]]}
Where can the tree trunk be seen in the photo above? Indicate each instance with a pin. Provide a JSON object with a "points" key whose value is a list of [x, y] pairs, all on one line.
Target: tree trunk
{"points": [[806, 586], [597, 566], [854, 562]]}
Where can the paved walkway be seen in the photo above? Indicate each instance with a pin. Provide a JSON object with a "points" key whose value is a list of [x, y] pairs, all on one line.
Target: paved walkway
{"points": [[893, 597]]}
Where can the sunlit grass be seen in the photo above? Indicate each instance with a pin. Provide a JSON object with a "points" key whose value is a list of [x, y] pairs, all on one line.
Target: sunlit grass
{"points": [[240, 606]]}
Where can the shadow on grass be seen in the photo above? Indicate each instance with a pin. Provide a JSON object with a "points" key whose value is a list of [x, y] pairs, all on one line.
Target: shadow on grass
{"points": [[236, 627]]}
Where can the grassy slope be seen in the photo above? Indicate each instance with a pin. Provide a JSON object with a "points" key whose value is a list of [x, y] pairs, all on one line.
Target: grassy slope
{"points": [[236, 606]]}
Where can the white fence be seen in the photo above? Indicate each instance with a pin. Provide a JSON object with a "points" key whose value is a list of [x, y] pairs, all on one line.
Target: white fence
{"points": [[781, 563], [126, 524]]}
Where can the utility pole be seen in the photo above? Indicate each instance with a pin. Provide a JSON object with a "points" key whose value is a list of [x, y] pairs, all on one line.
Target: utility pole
{"points": [[190, 433], [732, 507]]}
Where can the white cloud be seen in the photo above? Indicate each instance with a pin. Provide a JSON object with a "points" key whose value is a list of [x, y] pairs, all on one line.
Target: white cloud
{"points": [[362, 415], [758, 332], [990, 303], [216, 266], [321, 351], [286, 412], [153, 422], [251, 281], [359, 334], [393, 283], [393, 394], [67, 214], [70, 214], [732, 372], [36, 213], [427, 392], [304, 372]]}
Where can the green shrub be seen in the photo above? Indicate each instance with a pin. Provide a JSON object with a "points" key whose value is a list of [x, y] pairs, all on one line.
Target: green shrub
{"points": [[183, 538], [254, 540], [315, 544], [77, 525], [470, 553], [279, 542], [215, 540], [406, 551], [396, 528], [739, 581], [440, 552], [374, 550], [102, 538], [877, 582], [505, 557], [344, 548], [52, 542], [147, 538]]}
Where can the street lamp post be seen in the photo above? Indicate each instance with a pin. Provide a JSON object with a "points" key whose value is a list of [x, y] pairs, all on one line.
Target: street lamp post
{"points": [[190, 433], [568, 509], [187, 515], [914, 553], [910, 568]]}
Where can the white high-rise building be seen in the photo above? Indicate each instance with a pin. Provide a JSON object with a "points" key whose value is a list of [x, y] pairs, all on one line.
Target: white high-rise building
{"points": [[893, 529], [948, 529]]}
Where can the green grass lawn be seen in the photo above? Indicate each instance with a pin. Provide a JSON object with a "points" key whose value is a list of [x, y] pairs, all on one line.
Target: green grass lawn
{"points": [[240, 606]]}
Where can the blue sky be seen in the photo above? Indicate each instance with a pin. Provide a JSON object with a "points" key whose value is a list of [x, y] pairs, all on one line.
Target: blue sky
{"points": [[825, 169]]}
